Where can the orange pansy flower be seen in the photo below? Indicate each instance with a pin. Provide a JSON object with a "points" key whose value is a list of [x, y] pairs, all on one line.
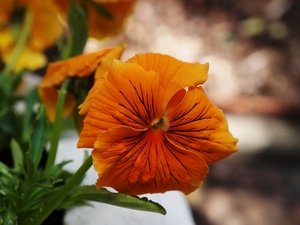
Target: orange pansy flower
{"points": [[152, 127], [92, 64], [46, 27], [99, 25]]}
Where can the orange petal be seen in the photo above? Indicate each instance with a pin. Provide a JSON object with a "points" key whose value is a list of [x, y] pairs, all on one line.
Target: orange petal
{"points": [[6, 8], [86, 105], [100, 26], [137, 162], [113, 53], [63, 5], [129, 96], [50, 96], [100, 76], [176, 100], [197, 125], [82, 65], [46, 27], [174, 74], [79, 66]]}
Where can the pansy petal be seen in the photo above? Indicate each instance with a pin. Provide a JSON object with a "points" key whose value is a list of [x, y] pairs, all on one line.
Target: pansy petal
{"points": [[100, 76], [7, 38], [6, 8], [174, 74], [129, 96], [28, 59], [46, 27], [100, 26], [86, 105], [175, 100], [112, 53], [63, 5], [197, 125], [50, 96], [79, 66], [137, 162]]}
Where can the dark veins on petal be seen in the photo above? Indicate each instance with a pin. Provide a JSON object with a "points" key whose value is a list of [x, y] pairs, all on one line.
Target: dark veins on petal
{"points": [[135, 110], [147, 102], [133, 142]]}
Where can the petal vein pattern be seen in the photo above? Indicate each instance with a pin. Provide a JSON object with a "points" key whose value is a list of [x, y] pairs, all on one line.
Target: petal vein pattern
{"points": [[129, 96], [197, 125], [138, 162], [174, 74]]}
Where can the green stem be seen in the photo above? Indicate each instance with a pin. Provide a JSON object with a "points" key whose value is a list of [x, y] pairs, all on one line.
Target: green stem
{"points": [[57, 124], [64, 191], [21, 42]]}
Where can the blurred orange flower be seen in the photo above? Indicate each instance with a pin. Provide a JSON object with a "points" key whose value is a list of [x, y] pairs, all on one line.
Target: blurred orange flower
{"points": [[44, 30], [87, 65], [101, 26], [152, 127]]}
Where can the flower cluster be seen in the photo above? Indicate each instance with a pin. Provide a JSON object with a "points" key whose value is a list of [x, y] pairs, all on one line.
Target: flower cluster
{"points": [[29, 27], [148, 120], [39, 20]]}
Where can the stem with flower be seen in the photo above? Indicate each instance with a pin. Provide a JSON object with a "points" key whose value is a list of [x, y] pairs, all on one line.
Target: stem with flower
{"points": [[57, 124], [74, 180]]}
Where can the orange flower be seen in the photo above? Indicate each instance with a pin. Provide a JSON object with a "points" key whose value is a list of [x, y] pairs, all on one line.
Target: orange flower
{"points": [[99, 25], [87, 65], [45, 29], [152, 127]]}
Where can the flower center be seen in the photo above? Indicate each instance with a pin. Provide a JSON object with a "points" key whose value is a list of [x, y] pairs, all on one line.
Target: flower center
{"points": [[161, 123]]}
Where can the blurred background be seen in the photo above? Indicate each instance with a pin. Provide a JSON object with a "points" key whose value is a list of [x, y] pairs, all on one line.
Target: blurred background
{"points": [[253, 48]]}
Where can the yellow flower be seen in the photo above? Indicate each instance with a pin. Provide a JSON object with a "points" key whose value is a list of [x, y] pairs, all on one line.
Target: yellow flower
{"points": [[45, 29], [99, 25], [152, 127], [87, 65]]}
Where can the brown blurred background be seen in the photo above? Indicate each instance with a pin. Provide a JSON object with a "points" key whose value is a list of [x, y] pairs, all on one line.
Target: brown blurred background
{"points": [[253, 48]]}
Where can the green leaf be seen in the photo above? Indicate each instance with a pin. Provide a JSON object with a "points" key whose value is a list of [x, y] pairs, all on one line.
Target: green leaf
{"points": [[8, 84], [31, 99], [5, 88], [4, 171], [16, 79], [91, 193], [56, 171], [30, 169], [8, 217], [8, 121], [78, 31], [17, 154], [39, 136]]}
